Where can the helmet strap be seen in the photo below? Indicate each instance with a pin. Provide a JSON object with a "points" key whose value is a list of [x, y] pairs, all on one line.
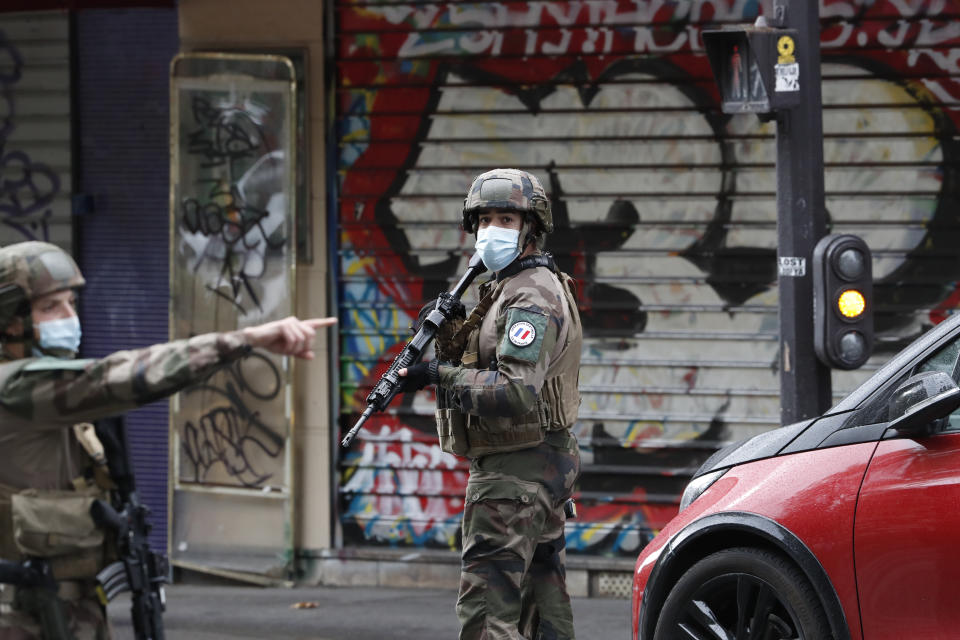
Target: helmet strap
{"points": [[25, 337], [528, 232]]}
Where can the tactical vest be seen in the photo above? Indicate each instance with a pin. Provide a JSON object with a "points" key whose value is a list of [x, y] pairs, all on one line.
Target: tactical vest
{"points": [[53, 521], [557, 402]]}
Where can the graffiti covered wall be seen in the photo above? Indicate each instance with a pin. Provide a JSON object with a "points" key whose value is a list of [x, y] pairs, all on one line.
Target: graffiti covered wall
{"points": [[666, 216], [35, 139], [233, 251]]}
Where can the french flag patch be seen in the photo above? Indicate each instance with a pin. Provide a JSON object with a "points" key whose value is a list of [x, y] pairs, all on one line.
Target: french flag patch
{"points": [[522, 333]]}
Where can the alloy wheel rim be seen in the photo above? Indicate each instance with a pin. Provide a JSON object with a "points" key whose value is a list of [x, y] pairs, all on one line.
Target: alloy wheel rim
{"points": [[737, 606]]}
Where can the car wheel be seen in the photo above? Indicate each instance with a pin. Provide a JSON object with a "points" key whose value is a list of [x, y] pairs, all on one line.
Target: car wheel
{"points": [[743, 594]]}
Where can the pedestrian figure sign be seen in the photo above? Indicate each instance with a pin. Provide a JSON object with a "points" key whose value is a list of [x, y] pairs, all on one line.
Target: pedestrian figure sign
{"points": [[755, 69]]}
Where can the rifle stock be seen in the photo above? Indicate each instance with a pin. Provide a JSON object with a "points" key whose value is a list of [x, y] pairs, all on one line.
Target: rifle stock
{"points": [[390, 382]]}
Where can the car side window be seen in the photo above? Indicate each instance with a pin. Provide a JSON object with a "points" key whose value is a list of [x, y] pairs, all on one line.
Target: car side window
{"points": [[875, 410], [946, 359]]}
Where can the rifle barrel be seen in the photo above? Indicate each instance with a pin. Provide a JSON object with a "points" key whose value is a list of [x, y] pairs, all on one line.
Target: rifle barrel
{"points": [[413, 351], [347, 439]]}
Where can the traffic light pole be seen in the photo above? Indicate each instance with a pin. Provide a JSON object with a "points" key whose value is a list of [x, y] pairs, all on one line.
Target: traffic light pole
{"points": [[805, 390]]}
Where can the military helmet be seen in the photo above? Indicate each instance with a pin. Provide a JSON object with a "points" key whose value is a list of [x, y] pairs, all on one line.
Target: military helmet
{"points": [[29, 270], [508, 190]]}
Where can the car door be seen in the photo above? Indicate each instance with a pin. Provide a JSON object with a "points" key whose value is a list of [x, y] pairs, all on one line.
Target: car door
{"points": [[906, 528]]}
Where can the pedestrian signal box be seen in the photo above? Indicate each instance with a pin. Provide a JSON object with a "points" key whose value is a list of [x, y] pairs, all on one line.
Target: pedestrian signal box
{"points": [[842, 301], [755, 68]]}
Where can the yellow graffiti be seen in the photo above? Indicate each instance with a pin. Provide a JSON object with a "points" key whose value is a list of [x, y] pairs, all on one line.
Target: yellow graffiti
{"points": [[353, 269], [588, 533]]}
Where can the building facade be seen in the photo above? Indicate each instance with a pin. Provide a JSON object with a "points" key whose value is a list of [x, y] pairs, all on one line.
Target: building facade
{"points": [[665, 211]]}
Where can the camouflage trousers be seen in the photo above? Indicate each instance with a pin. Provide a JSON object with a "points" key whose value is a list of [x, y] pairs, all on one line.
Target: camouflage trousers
{"points": [[85, 615], [513, 578]]}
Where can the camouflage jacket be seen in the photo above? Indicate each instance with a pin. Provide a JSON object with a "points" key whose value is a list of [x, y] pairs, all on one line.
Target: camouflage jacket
{"points": [[521, 366], [39, 397]]}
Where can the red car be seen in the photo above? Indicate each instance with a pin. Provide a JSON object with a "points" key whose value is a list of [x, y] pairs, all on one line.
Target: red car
{"points": [[844, 526]]}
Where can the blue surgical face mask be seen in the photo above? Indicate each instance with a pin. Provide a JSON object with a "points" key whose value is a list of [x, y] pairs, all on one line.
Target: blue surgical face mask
{"points": [[498, 247], [63, 334]]}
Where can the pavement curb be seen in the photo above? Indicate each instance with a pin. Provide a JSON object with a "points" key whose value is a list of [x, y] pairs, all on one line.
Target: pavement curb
{"points": [[587, 576]]}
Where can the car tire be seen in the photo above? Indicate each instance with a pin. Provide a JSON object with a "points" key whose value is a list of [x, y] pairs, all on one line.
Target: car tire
{"points": [[743, 593]]}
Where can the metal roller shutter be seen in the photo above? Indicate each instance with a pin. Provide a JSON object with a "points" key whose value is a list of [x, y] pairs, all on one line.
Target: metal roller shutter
{"points": [[666, 216], [123, 102], [35, 137]]}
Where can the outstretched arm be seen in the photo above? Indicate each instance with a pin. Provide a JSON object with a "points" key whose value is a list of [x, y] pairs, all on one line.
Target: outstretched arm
{"points": [[53, 392]]}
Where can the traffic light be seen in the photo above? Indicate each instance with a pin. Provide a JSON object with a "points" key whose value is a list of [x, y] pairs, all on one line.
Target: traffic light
{"points": [[755, 67], [842, 301]]}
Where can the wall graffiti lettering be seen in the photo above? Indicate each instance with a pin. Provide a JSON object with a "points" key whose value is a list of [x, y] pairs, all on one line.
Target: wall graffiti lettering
{"points": [[406, 491], [240, 240], [223, 135], [27, 187], [233, 435], [235, 217]]}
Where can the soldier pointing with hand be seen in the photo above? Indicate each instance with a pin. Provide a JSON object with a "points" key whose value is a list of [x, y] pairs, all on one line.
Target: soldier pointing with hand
{"points": [[44, 471], [509, 395]]}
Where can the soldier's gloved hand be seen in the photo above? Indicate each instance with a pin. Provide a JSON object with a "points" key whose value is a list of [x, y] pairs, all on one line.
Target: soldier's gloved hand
{"points": [[420, 375], [37, 574]]}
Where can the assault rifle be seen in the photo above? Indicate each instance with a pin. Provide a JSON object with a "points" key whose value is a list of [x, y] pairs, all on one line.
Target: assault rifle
{"points": [[390, 382], [140, 570], [37, 595]]}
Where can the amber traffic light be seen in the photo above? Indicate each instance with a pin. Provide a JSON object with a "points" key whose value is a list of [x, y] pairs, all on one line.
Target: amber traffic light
{"points": [[842, 301]]}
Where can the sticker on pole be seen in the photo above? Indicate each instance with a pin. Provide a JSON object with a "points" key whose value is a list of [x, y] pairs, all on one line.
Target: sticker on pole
{"points": [[787, 71], [791, 267], [787, 77], [522, 333]]}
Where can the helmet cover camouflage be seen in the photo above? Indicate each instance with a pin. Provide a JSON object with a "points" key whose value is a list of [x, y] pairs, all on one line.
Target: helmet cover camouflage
{"points": [[507, 190], [29, 270]]}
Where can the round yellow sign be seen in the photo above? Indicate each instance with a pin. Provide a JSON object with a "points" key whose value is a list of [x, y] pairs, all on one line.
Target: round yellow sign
{"points": [[785, 46]]}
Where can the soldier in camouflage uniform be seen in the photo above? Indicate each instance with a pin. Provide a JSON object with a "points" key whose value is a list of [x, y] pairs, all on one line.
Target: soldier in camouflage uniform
{"points": [[513, 396], [44, 391]]}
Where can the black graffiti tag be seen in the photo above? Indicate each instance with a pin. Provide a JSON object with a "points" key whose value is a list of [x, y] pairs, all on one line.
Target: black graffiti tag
{"points": [[231, 217], [232, 434], [28, 188], [223, 135], [231, 223], [234, 246]]}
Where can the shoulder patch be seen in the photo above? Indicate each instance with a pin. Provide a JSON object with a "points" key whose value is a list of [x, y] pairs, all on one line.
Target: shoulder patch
{"points": [[57, 364], [523, 335]]}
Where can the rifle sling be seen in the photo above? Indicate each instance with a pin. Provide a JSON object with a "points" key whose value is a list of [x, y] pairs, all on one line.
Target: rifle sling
{"points": [[476, 316]]}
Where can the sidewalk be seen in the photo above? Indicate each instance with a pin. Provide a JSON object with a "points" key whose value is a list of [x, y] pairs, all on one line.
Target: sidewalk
{"points": [[219, 612], [435, 569]]}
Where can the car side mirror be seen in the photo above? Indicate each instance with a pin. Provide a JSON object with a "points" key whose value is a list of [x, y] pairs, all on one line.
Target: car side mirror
{"points": [[921, 401]]}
